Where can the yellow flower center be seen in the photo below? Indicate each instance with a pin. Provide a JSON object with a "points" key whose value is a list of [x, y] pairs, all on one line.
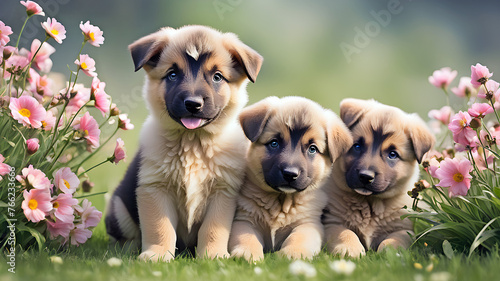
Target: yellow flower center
{"points": [[55, 205], [458, 177], [463, 123], [25, 112], [86, 132], [54, 32], [92, 36], [44, 124], [66, 183], [83, 65], [43, 83], [32, 204]]}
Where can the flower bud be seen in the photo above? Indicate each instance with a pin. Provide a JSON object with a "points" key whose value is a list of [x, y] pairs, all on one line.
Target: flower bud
{"points": [[114, 110], [87, 186], [32, 145], [475, 123]]}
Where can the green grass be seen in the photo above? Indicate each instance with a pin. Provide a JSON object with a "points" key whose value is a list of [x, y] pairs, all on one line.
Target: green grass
{"points": [[89, 262]]}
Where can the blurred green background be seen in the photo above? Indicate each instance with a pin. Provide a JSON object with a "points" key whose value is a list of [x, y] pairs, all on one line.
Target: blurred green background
{"points": [[324, 50]]}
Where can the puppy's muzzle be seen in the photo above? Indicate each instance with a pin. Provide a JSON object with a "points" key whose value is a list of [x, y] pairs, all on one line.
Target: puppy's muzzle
{"points": [[366, 177], [290, 174], [193, 104]]}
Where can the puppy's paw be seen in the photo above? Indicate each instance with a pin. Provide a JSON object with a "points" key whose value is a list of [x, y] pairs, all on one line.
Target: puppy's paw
{"points": [[250, 256], [150, 255], [355, 250], [212, 254], [296, 253], [392, 243]]}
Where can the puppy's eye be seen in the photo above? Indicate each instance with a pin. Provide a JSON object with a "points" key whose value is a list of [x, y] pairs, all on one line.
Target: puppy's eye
{"points": [[273, 144], [172, 75], [393, 155], [356, 147], [217, 77], [313, 149]]}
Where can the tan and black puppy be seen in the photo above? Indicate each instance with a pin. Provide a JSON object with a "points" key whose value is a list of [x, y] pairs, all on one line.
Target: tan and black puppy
{"points": [[368, 185], [294, 142], [180, 189]]}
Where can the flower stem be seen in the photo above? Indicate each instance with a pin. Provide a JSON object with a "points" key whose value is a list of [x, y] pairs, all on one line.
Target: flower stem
{"points": [[97, 150], [93, 167], [62, 150], [22, 29]]}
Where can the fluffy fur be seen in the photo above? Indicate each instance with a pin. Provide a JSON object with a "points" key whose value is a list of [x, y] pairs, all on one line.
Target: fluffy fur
{"points": [[368, 185], [181, 187], [294, 142]]}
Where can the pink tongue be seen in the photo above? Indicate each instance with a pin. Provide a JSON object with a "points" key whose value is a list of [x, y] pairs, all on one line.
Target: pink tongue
{"points": [[191, 123]]}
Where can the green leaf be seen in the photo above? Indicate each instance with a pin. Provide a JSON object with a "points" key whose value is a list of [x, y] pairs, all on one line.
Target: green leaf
{"points": [[496, 191], [448, 250], [483, 236]]}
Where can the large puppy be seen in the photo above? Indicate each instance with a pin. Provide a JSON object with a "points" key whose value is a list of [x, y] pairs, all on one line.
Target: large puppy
{"points": [[294, 142], [181, 187], [368, 186]]}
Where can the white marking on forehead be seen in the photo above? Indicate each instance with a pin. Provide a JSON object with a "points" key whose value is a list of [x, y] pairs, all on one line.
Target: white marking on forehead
{"points": [[193, 52]]}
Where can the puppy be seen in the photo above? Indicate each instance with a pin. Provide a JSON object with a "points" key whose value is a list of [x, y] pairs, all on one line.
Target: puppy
{"points": [[368, 185], [294, 142], [181, 186]]}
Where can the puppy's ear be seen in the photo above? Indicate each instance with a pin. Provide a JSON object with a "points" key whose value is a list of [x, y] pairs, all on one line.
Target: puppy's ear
{"points": [[352, 110], [338, 136], [253, 118], [147, 50], [421, 138], [247, 58]]}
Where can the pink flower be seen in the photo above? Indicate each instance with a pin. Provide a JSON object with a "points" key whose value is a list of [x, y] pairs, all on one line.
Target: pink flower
{"points": [[16, 63], [5, 31], [60, 228], [480, 110], [89, 215], [119, 151], [63, 207], [464, 89], [42, 60], [495, 134], [454, 173], [36, 204], [49, 121], [492, 87], [433, 166], [442, 114], [79, 99], [92, 33], [87, 65], [66, 180], [442, 78], [39, 85], [79, 235], [459, 126], [32, 145], [479, 156], [35, 178], [479, 74], [4, 168], [27, 111], [54, 29], [102, 100], [89, 129], [124, 122], [32, 8]]}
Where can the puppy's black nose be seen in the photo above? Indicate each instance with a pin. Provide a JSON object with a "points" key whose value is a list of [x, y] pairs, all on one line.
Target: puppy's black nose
{"points": [[193, 104], [366, 176], [290, 173]]}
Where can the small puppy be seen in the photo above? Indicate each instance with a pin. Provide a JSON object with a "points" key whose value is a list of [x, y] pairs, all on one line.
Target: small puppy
{"points": [[294, 142], [181, 187], [368, 185]]}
